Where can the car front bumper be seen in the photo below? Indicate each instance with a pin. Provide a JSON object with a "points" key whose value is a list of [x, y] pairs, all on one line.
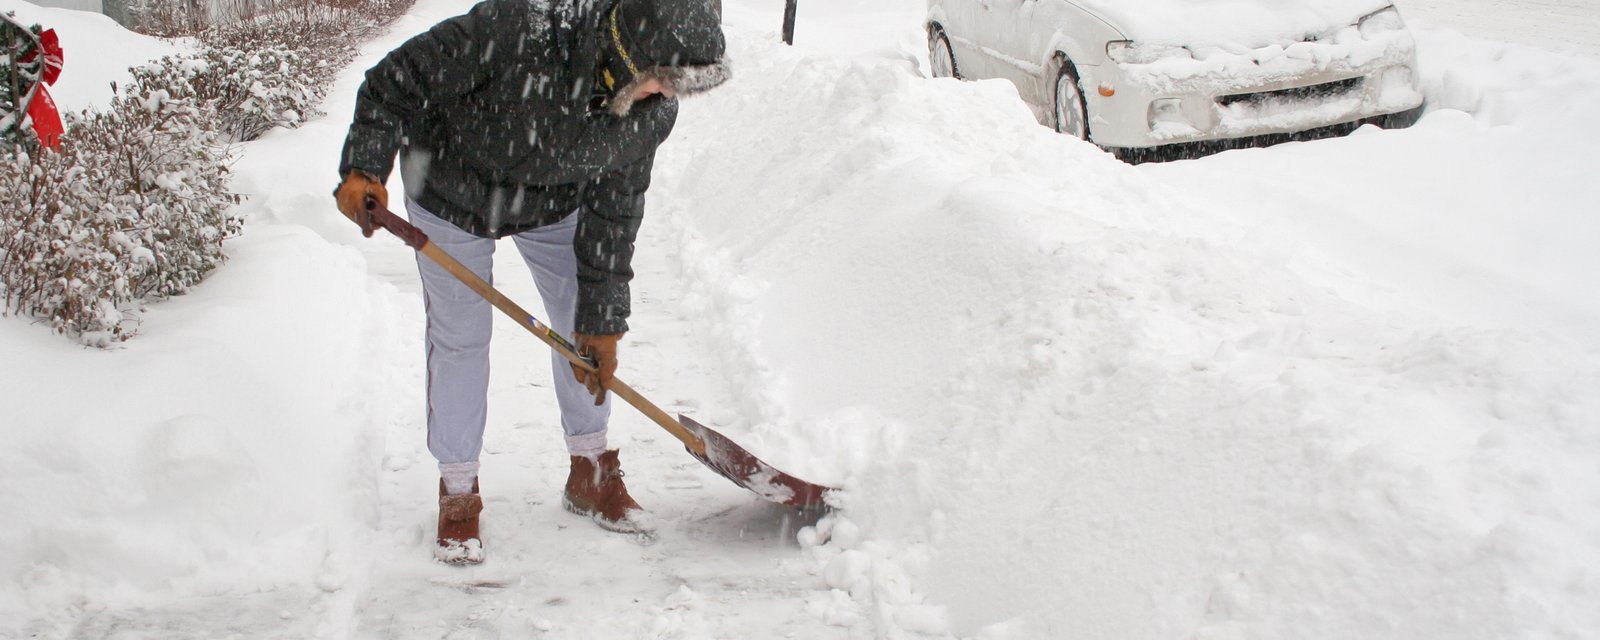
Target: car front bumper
{"points": [[1220, 95]]}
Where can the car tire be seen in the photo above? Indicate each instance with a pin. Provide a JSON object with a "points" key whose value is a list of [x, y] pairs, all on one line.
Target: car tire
{"points": [[941, 58], [1071, 112]]}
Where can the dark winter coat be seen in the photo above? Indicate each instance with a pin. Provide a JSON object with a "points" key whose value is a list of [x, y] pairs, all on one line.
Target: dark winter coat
{"points": [[498, 121]]}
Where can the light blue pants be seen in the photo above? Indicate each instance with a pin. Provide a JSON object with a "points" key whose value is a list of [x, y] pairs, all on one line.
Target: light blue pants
{"points": [[459, 323]]}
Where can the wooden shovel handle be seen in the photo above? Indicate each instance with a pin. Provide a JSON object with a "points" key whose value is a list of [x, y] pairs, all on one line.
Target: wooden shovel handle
{"points": [[418, 240]]}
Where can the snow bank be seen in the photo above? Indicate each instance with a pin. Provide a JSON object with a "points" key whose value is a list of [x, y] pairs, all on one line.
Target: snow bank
{"points": [[1068, 399], [1480, 215], [1557, 25], [221, 453]]}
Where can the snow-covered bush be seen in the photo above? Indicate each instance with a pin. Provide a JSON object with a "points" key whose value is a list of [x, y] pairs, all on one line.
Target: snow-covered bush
{"points": [[269, 62], [181, 18], [328, 36], [169, 18], [135, 205], [250, 91], [270, 70]]}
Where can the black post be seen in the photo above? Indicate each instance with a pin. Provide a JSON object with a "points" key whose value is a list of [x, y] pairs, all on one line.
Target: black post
{"points": [[788, 21]]}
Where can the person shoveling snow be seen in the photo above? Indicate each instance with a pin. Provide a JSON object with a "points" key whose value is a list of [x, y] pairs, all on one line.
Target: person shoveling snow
{"points": [[538, 121]]}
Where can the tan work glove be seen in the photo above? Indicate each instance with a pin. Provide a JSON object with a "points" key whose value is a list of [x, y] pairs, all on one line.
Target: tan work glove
{"points": [[352, 198], [603, 349]]}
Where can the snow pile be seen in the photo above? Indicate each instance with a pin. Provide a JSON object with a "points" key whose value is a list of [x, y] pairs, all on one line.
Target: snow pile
{"points": [[1571, 26], [230, 451], [1069, 400], [1479, 215]]}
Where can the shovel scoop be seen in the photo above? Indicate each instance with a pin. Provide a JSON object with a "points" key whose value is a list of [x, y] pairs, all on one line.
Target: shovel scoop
{"points": [[726, 457], [712, 449]]}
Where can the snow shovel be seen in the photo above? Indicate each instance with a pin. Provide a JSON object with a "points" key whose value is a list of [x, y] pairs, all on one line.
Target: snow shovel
{"points": [[705, 444]]}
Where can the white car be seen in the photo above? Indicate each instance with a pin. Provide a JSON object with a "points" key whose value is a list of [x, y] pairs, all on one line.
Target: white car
{"points": [[1138, 74]]}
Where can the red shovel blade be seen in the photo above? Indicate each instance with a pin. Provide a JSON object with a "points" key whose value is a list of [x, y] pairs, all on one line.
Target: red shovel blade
{"points": [[734, 463]]}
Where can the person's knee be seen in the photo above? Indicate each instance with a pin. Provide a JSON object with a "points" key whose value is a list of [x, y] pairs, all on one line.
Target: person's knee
{"points": [[460, 336]]}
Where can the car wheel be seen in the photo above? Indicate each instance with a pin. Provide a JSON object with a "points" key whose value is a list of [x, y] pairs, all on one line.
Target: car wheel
{"points": [[1072, 116], [941, 58]]}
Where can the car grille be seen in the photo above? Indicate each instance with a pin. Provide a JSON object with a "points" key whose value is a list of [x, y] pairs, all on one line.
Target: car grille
{"points": [[1308, 93]]}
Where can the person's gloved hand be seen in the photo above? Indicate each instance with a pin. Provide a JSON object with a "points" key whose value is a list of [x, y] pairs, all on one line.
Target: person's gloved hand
{"points": [[603, 349], [352, 198]]}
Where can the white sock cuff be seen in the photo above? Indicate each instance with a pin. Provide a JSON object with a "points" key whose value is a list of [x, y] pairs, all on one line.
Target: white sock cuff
{"points": [[458, 476], [589, 445]]}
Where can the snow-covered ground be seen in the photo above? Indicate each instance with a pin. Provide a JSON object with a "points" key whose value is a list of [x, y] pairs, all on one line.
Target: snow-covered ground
{"points": [[1558, 25], [1335, 389]]}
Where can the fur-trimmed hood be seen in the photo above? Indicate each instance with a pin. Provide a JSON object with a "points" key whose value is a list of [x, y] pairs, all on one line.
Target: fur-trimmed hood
{"points": [[683, 81]]}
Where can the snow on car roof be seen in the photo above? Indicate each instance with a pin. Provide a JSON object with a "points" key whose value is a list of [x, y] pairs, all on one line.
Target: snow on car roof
{"points": [[1244, 22]]}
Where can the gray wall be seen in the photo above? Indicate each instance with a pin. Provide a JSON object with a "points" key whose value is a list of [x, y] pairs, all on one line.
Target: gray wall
{"points": [[124, 11], [80, 5]]}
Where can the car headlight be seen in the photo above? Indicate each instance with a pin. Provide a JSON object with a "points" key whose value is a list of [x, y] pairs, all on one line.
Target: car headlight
{"points": [[1381, 21], [1128, 52]]}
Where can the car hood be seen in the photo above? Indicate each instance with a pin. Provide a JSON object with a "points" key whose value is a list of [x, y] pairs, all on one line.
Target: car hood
{"points": [[1248, 23]]}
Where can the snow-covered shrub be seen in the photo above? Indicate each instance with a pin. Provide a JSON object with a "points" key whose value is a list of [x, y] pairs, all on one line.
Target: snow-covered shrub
{"points": [[382, 8], [250, 91], [47, 269], [173, 166], [175, 18], [170, 18], [135, 205], [326, 36], [272, 68], [270, 62]]}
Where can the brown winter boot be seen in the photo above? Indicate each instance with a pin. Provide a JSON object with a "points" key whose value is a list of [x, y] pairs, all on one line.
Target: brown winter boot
{"points": [[597, 491], [458, 527]]}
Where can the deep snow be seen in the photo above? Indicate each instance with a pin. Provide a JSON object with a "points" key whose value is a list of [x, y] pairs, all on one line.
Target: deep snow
{"points": [[1324, 390]]}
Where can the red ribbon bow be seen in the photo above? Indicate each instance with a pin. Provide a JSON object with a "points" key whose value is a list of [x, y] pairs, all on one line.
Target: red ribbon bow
{"points": [[46, 119], [51, 46]]}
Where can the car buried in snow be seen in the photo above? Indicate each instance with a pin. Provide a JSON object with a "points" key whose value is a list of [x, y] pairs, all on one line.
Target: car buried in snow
{"points": [[1136, 76]]}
